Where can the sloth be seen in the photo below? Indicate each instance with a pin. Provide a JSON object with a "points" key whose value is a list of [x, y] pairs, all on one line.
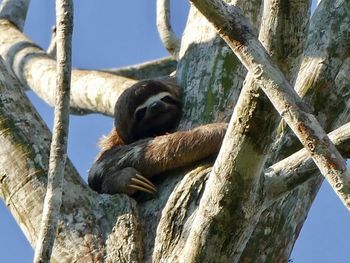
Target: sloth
{"points": [[143, 142]]}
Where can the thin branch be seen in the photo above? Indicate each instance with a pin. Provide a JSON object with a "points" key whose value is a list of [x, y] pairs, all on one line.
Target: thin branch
{"points": [[166, 33], [294, 170], [15, 11], [148, 70], [58, 152], [51, 50]]}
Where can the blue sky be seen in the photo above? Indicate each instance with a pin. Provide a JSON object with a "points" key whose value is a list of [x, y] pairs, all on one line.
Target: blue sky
{"points": [[119, 33]]}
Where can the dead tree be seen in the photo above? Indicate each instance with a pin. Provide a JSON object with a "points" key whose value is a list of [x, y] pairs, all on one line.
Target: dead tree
{"points": [[240, 58]]}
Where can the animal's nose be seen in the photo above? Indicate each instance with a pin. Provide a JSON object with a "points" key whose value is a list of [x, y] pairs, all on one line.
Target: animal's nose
{"points": [[156, 106]]}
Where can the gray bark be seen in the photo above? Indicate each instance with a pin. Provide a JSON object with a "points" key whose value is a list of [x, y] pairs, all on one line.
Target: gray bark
{"points": [[15, 11], [159, 68], [166, 33], [58, 150], [24, 135], [321, 80], [238, 34], [52, 49], [92, 91]]}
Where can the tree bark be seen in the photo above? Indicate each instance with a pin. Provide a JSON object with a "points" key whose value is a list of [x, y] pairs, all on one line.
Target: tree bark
{"points": [[92, 91], [91, 226], [58, 149]]}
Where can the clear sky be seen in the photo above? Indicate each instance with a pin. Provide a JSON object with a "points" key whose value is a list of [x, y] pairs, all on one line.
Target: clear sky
{"points": [[119, 33]]}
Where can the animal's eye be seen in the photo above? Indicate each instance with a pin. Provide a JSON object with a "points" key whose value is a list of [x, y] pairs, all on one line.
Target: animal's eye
{"points": [[168, 99], [140, 114]]}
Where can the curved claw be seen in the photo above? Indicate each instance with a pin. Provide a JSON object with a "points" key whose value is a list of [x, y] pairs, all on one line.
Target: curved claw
{"points": [[142, 184], [139, 176]]}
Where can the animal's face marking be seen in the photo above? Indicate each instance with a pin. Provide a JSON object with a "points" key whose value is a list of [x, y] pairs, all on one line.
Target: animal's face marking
{"points": [[147, 109], [153, 99]]}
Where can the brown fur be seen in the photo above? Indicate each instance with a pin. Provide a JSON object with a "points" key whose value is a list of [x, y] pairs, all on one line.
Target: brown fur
{"points": [[110, 140], [119, 163]]}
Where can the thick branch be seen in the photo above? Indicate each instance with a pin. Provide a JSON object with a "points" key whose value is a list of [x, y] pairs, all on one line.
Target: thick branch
{"points": [[322, 82], [239, 36], [249, 138], [166, 33], [206, 72], [148, 70], [92, 91], [58, 152], [15, 11]]}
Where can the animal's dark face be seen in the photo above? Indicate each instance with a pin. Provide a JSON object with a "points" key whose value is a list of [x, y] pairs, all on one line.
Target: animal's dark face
{"points": [[148, 109]]}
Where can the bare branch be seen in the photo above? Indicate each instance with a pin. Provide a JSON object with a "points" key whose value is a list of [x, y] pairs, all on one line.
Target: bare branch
{"points": [[149, 70], [92, 91], [294, 170], [166, 33], [239, 36], [51, 50], [93, 222], [15, 11], [58, 152], [249, 138], [323, 82]]}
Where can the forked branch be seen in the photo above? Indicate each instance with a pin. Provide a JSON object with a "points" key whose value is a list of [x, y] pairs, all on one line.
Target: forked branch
{"points": [[292, 171], [238, 34]]}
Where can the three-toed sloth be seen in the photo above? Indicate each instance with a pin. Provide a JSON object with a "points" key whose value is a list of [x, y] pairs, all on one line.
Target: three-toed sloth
{"points": [[141, 143]]}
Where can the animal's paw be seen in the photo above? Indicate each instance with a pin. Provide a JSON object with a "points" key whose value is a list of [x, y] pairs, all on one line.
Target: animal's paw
{"points": [[128, 181]]}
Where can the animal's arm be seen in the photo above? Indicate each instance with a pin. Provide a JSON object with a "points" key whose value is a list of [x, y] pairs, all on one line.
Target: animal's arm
{"points": [[153, 156]]}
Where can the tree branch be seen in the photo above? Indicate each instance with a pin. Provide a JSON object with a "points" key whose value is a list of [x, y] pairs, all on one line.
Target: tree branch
{"points": [[249, 138], [294, 170], [323, 82], [58, 152], [166, 33], [149, 70], [90, 225], [15, 11], [92, 91], [211, 89], [51, 50], [239, 36]]}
